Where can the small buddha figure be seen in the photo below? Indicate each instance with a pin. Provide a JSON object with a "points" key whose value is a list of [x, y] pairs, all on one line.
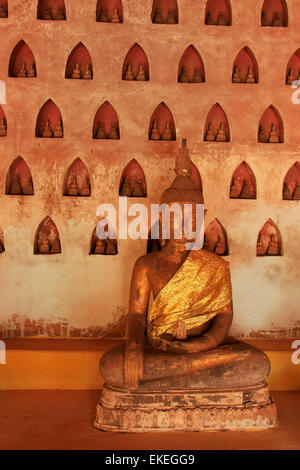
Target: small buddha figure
{"points": [[221, 134], [155, 135], [73, 187], [110, 247], [141, 74], [113, 133], [87, 74], [209, 19], [167, 133], [184, 78], [47, 131], [157, 17], [27, 188], [60, 15], [246, 193], [264, 18], [171, 17], [261, 135], [100, 134], [48, 13], [137, 189], [210, 136], [277, 21], [222, 21], [3, 12], [103, 16], [235, 190], [43, 244], [115, 16], [3, 128], [55, 245], [197, 77], [260, 249], [221, 246], [76, 74], [58, 132], [100, 247], [22, 72], [291, 77], [296, 193], [125, 189], [236, 78], [274, 138], [129, 73], [287, 193], [15, 188], [31, 73], [250, 76], [177, 348], [273, 248], [85, 189]]}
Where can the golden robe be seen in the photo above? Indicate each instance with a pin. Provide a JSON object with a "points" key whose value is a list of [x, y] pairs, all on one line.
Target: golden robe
{"points": [[198, 291]]}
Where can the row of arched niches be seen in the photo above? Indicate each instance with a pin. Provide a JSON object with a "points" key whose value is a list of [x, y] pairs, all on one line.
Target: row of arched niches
{"points": [[191, 68], [133, 184], [274, 13]]}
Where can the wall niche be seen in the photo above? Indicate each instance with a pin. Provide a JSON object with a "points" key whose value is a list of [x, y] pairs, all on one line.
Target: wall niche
{"points": [[79, 64], [270, 128], [19, 179], [47, 241], [22, 62], [164, 12], [274, 13], [3, 9], [77, 180], [196, 177], [218, 13], [291, 184], [51, 10], [293, 68], [2, 246], [215, 239], [109, 11], [243, 183], [162, 125], [269, 241], [106, 123], [109, 246], [49, 121], [191, 67], [3, 123], [133, 181], [245, 68], [136, 65], [217, 125]]}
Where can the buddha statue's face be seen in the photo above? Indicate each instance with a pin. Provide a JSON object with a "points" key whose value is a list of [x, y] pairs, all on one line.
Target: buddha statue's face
{"points": [[183, 222]]}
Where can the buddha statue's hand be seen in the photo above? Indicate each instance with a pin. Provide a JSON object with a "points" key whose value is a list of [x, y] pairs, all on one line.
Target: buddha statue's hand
{"points": [[192, 345], [133, 365]]}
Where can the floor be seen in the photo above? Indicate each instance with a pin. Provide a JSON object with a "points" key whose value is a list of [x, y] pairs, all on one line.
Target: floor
{"points": [[63, 420]]}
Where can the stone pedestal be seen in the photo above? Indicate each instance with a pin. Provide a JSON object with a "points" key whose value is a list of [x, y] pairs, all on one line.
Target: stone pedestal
{"points": [[185, 410]]}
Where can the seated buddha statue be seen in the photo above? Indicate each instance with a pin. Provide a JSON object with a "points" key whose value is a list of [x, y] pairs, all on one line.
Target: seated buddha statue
{"points": [[178, 361]]}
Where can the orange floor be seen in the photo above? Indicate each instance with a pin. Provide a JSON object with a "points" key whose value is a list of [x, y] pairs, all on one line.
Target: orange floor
{"points": [[63, 420]]}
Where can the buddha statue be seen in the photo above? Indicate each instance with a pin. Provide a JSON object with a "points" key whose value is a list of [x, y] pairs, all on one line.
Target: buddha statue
{"points": [[221, 134], [48, 13], [60, 15], [273, 248], [141, 76], [210, 136], [129, 73], [274, 137], [85, 188], [235, 190], [73, 187], [22, 72], [178, 361], [43, 244], [3, 12], [222, 20], [103, 16], [250, 75], [246, 193], [137, 189], [113, 133], [76, 74], [291, 77], [100, 247], [287, 193], [264, 18], [261, 135], [209, 19], [260, 247], [58, 132], [31, 73], [27, 187], [100, 134], [236, 77], [55, 245], [125, 189], [87, 74], [221, 246], [3, 128], [296, 193], [115, 16], [16, 188], [197, 77], [277, 21], [184, 78], [157, 17], [111, 248], [167, 133], [171, 17], [155, 135]]}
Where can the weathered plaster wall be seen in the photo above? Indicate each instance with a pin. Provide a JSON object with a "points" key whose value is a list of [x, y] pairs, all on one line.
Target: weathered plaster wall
{"points": [[79, 294]]}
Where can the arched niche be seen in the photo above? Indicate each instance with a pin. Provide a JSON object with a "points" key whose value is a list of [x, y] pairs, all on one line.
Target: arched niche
{"points": [[274, 13], [49, 121], [2, 246], [106, 123], [196, 177], [293, 68], [191, 67], [164, 12], [47, 240], [77, 180], [217, 125], [79, 64], [243, 183], [4, 9], [135, 65], [22, 62], [19, 179], [270, 128], [162, 125], [3, 123], [269, 241], [107, 246], [215, 239], [133, 181], [291, 184], [109, 11], [218, 13], [51, 10], [245, 68]]}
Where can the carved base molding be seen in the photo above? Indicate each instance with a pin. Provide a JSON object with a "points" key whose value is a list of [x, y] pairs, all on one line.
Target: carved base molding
{"points": [[183, 410]]}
